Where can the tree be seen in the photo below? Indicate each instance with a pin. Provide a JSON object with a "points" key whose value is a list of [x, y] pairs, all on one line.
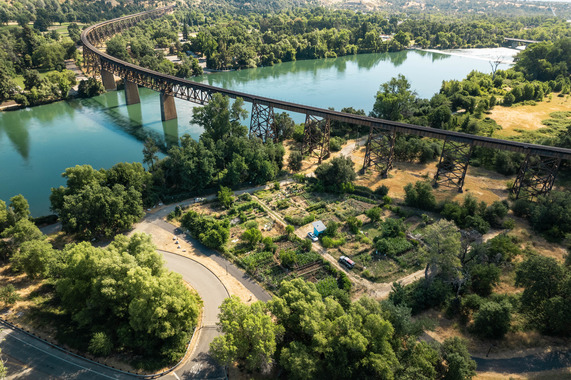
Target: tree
{"points": [[284, 126], [459, 364], [547, 294], [253, 236], [493, 319], [90, 87], [374, 213], [36, 258], [295, 161], [100, 203], [225, 196], [443, 246], [220, 120], [335, 173], [19, 207], [249, 337], [394, 100], [420, 195]]}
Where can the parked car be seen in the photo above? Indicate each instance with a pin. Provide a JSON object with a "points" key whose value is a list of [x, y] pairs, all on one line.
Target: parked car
{"points": [[312, 236], [347, 262]]}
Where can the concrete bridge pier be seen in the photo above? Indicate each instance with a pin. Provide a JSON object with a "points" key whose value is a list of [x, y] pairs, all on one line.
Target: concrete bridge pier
{"points": [[168, 107], [108, 80], [132, 93]]}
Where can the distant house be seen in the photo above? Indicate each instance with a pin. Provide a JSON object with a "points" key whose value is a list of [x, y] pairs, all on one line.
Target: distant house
{"points": [[318, 227]]}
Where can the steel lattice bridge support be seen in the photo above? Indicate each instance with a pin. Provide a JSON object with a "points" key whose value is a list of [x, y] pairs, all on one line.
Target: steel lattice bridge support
{"points": [[316, 136], [453, 164], [535, 177], [380, 149], [262, 124]]}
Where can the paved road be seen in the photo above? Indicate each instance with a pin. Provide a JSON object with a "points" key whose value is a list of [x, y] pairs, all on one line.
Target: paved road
{"points": [[530, 363], [212, 292], [28, 358]]}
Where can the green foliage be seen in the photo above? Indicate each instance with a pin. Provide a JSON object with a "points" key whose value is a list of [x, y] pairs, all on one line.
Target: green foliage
{"points": [[336, 143], [299, 221], [89, 88], [249, 335], [100, 344], [420, 195], [295, 161], [551, 215], [8, 295], [493, 319], [253, 260], [394, 100], [483, 278], [36, 258], [290, 229], [354, 224], [374, 213], [328, 242], [332, 175], [545, 299], [211, 232], [392, 246], [225, 197], [460, 365], [288, 259], [100, 203], [253, 236], [125, 292], [442, 240]]}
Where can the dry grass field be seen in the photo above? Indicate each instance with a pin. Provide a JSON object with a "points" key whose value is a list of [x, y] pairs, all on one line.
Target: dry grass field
{"points": [[527, 118]]}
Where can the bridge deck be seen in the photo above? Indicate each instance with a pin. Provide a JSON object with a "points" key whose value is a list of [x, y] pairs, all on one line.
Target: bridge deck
{"points": [[172, 85]]}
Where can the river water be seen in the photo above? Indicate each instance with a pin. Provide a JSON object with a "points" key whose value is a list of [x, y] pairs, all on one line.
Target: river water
{"points": [[37, 144]]}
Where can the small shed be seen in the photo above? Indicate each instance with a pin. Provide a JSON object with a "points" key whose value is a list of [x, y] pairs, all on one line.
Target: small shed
{"points": [[318, 227]]}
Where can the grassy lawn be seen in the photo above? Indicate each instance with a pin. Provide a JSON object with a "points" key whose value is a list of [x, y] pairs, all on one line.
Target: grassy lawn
{"points": [[19, 79]]}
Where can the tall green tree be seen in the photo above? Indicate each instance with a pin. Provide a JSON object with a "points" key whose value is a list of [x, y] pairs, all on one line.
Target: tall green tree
{"points": [[394, 100]]}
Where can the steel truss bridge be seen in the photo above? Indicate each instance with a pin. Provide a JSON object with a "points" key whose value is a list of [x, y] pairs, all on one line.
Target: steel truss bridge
{"points": [[535, 177]]}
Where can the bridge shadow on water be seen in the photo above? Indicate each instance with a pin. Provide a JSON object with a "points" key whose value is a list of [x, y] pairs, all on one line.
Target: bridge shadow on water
{"points": [[132, 123]]}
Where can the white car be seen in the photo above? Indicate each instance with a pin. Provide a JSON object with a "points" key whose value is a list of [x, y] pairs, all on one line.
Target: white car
{"points": [[312, 236]]}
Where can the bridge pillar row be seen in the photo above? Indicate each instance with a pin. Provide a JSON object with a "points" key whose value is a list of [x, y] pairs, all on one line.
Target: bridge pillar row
{"points": [[168, 107], [535, 177], [108, 80], [453, 164], [131, 92], [380, 150]]}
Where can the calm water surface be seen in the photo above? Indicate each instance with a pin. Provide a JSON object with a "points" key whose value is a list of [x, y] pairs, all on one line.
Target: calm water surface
{"points": [[37, 144]]}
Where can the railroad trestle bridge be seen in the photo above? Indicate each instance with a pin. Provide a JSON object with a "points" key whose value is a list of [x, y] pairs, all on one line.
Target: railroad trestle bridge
{"points": [[535, 177]]}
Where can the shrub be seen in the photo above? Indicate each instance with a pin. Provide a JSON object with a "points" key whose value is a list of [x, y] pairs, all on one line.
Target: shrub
{"points": [[374, 213], [288, 259], [9, 295], [492, 320], [332, 243], [354, 224], [483, 278], [100, 344], [336, 143], [295, 161], [420, 195], [246, 197], [382, 190]]}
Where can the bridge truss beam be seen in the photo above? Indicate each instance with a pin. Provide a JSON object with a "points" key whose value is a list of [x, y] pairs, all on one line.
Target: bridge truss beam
{"points": [[262, 123], [380, 149], [316, 136], [453, 164], [535, 177]]}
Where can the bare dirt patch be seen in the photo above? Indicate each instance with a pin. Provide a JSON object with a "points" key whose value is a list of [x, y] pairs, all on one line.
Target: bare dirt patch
{"points": [[526, 118]]}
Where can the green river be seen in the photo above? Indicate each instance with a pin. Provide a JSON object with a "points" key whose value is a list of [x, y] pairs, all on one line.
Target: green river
{"points": [[38, 143]]}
